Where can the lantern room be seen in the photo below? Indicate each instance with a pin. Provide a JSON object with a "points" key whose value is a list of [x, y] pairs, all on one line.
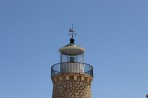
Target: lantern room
{"points": [[72, 58], [71, 53]]}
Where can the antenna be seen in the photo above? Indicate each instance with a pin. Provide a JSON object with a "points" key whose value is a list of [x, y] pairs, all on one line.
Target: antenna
{"points": [[72, 32]]}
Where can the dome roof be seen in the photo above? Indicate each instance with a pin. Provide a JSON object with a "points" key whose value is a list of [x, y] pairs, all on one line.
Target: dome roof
{"points": [[72, 49]]}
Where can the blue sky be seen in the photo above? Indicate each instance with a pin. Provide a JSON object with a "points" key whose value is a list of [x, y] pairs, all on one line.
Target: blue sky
{"points": [[113, 32]]}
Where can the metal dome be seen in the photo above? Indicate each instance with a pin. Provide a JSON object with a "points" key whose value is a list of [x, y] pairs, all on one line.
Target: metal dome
{"points": [[72, 49]]}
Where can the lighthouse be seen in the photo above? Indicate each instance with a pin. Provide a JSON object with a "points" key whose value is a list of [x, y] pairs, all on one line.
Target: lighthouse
{"points": [[72, 77]]}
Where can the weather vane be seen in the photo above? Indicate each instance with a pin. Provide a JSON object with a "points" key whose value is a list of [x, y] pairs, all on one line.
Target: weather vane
{"points": [[72, 32]]}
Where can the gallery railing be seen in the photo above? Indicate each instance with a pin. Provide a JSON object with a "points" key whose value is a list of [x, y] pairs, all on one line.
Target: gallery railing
{"points": [[71, 67]]}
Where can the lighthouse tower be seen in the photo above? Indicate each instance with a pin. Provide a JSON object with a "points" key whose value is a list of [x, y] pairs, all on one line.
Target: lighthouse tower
{"points": [[71, 77]]}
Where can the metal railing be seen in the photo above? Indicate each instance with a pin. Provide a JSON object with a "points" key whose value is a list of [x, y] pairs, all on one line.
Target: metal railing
{"points": [[71, 67]]}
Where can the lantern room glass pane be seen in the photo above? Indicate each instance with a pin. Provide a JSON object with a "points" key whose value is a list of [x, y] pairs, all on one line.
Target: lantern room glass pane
{"points": [[72, 58]]}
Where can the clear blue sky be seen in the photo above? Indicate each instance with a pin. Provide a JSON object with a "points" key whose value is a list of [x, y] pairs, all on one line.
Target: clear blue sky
{"points": [[113, 32]]}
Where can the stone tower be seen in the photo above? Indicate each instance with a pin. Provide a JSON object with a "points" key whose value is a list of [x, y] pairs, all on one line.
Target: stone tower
{"points": [[71, 77]]}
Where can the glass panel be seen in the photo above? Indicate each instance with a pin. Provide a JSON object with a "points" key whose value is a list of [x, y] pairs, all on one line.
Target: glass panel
{"points": [[72, 58]]}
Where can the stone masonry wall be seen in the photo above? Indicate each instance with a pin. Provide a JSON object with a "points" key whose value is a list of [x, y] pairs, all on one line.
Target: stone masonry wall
{"points": [[72, 86]]}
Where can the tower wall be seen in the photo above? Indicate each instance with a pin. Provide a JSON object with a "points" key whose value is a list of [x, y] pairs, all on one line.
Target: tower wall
{"points": [[72, 86]]}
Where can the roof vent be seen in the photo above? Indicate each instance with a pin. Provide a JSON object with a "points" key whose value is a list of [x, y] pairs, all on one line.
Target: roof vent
{"points": [[72, 41]]}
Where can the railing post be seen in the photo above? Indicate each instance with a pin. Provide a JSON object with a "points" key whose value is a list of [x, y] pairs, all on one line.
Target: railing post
{"points": [[92, 71]]}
